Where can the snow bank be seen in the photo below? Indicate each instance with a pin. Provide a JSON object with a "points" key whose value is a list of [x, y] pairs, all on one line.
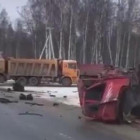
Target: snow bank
{"points": [[71, 93], [56, 94]]}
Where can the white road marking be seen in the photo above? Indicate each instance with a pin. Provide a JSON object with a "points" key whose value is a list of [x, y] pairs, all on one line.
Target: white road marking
{"points": [[66, 136]]}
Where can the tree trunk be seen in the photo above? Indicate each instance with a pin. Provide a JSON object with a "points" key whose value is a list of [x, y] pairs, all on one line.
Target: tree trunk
{"points": [[100, 59], [17, 50], [122, 51], [51, 47], [35, 47], [118, 46], [94, 48], [93, 55], [70, 34], [109, 46], [128, 51], [61, 38], [135, 54], [85, 38], [60, 47]]}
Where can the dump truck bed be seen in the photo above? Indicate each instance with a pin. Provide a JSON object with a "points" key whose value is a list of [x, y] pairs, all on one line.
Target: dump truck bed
{"points": [[33, 67]]}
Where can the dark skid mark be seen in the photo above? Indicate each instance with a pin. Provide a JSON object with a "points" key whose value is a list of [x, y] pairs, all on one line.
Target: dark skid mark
{"points": [[8, 96], [32, 104], [75, 91], [28, 113], [38, 96], [6, 101], [52, 95]]}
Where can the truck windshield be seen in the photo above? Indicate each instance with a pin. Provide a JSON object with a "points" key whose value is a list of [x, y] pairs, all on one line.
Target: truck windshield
{"points": [[72, 66]]}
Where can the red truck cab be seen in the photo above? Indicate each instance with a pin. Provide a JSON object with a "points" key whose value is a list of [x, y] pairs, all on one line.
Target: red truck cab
{"points": [[100, 92]]}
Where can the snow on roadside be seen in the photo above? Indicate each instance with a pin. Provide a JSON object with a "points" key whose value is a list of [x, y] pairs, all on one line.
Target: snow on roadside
{"points": [[45, 92], [71, 94]]}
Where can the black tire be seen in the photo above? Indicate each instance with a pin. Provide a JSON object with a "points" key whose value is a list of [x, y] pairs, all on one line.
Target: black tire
{"points": [[22, 81], [66, 82], [127, 104], [2, 79], [120, 110], [33, 81]]}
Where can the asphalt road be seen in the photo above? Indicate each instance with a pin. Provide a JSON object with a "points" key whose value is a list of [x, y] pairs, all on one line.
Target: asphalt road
{"points": [[55, 123]]}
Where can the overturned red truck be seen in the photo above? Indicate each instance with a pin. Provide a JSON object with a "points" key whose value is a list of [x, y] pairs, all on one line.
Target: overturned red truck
{"points": [[108, 94]]}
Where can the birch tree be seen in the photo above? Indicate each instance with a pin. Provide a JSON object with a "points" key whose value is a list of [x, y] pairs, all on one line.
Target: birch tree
{"points": [[130, 14], [91, 31]]}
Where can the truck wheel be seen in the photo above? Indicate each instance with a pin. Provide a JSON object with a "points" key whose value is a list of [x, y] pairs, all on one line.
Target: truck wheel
{"points": [[22, 81], [126, 104], [33, 81], [120, 111], [2, 79], [66, 82]]}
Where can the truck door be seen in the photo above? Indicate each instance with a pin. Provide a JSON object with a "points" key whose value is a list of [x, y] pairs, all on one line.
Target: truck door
{"points": [[70, 69], [91, 100], [60, 63]]}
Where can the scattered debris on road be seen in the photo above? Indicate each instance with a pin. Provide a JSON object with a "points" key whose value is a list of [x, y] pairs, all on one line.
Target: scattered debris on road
{"points": [[49, 92], [18, 87], [79, 117], [22, 97], [29, 97], [65, 97], [6, 101], [38, 96], [53, 96], [9, 90], [55, 104], [26, 97]]}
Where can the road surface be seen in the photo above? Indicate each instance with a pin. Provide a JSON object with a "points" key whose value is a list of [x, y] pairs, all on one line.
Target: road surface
{"points": [[63, 122]]}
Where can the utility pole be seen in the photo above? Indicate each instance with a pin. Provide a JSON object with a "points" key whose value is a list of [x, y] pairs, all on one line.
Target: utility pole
{"points": [[48, 46]]}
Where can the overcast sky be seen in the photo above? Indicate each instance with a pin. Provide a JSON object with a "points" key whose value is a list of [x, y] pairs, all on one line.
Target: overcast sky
{"points": [[11, 7]]}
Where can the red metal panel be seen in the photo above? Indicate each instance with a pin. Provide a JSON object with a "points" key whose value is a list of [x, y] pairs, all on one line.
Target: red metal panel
{"points": [[108, 105], [91, 69], [108, 111], [113, 87]]}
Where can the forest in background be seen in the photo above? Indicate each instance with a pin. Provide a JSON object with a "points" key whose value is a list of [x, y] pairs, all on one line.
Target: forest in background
{"points": [[89, 31]]}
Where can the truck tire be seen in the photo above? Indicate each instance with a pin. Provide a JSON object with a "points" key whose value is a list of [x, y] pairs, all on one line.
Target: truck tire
{"points": [[120, 110], [128, 103], [66, 82], [2, 79], [33, 81], [22, 81]]}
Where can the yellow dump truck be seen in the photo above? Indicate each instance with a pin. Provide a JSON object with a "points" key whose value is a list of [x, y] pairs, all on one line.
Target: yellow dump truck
{"points": [[32, 71]]}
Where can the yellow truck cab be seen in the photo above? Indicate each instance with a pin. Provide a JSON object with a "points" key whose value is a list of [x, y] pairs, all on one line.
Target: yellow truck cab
{"points": [[69, 72]]}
